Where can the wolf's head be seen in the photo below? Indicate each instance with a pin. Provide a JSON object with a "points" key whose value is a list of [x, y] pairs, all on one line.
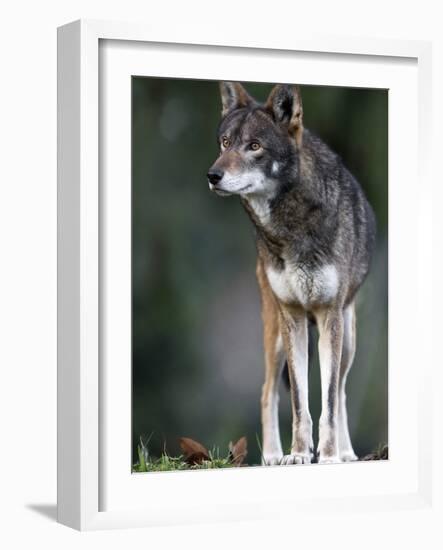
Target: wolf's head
{"points": [[259, 143]]}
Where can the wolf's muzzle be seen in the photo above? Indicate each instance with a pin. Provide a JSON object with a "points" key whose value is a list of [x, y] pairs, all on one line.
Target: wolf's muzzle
{"points": [[215, 176]]}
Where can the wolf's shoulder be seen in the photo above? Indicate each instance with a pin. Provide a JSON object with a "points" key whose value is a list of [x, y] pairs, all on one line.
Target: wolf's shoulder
{"points": [[317, 149], [327, 164]]}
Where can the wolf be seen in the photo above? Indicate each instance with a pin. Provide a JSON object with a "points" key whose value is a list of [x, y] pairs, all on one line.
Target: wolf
{"points": [[315, 234]]}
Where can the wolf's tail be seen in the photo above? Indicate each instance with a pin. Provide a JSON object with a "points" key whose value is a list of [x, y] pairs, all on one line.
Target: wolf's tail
{"points": [[311, 350]]}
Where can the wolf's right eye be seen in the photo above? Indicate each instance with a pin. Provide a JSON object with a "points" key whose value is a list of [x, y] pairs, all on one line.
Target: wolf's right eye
{"points": [[225, 142]]}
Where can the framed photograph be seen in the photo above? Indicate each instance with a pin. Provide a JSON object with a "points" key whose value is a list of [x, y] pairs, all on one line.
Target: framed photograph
{"points": [[239, 226]]}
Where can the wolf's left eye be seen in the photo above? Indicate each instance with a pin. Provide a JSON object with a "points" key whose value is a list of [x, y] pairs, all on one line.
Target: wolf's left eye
{"points": [[225, 142], [254, 146]]}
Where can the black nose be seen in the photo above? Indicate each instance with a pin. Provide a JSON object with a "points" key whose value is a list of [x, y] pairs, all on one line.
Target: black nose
{"points": [[214, 176]]}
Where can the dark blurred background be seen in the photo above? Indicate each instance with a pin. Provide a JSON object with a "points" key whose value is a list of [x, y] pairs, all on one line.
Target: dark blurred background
{"points": [[197, 342]]}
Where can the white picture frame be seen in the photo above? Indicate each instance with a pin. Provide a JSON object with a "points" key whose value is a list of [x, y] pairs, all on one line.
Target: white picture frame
{"points": [[93, 494]]}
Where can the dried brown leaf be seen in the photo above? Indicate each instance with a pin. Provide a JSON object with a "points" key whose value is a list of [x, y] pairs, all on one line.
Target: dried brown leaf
{"points": [[195, 452], [238, 451]]}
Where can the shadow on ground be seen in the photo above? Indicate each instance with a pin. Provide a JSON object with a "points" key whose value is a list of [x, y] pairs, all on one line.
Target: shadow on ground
{"points": [[48, 511]]}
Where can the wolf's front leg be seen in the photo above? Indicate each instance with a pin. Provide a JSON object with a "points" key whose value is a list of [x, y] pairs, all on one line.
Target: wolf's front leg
{"points": [[273, 347], [272, 451], [295, 338], [330, 327]]}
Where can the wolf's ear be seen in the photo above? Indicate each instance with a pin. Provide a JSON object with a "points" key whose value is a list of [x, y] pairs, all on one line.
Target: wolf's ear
{"points": [[233, 96], [284, 102]]}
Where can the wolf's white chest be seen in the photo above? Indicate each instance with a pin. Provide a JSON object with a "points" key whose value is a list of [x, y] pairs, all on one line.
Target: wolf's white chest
{"points": [[298, 285]]}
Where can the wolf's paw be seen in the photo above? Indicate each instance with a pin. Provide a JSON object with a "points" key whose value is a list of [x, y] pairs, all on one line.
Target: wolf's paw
{"points": [[272, 459], [329, 459], [348, 456], [296, 458]]}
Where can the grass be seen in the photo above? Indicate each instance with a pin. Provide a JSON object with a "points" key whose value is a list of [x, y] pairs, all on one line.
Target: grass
{"points": [[380, 453], [166, 463]]}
